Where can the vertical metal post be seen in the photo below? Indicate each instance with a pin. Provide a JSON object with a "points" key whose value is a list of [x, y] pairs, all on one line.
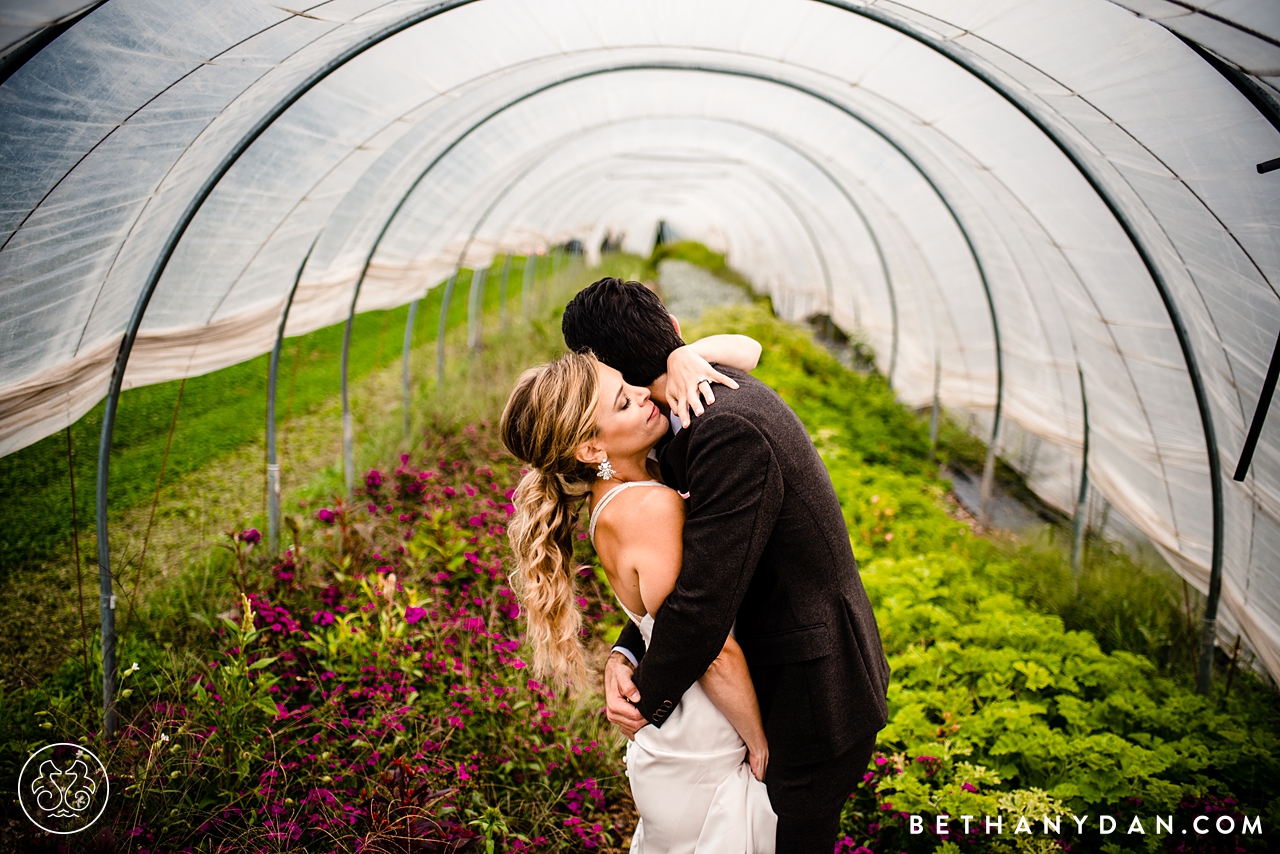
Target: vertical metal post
{"points": [[273, 466], [107, 599], [934, 411], [988, 475], [475, 309], [1078, 524], [348, 430], [444, 325], [404, 366], [527, 283], [502, 291], [537, 283]]}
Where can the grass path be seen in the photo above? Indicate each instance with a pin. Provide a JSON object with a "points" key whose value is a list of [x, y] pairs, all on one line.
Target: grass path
{"points": [[39, 605]]}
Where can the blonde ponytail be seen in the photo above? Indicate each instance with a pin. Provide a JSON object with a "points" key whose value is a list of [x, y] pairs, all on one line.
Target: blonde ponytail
{"points": [[551, 412]]}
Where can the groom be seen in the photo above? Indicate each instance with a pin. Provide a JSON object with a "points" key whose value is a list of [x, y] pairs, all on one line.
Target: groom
{"points": [[765, 545]]}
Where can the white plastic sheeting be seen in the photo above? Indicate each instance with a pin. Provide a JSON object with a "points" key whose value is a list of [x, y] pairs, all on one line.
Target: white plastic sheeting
{"points": [[906, 167]]}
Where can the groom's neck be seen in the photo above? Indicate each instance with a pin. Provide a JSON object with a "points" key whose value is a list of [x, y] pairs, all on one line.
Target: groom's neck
{"points": [[658, 391]]}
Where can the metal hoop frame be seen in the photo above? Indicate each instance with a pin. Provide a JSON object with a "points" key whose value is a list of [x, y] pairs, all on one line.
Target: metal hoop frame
{"points": [[946, 49]]}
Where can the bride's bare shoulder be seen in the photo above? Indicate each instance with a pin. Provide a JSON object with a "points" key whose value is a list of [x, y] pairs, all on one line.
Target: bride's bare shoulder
{"points": [[641, 512]]}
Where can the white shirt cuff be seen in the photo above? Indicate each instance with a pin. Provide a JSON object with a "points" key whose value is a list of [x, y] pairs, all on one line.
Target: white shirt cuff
{"points": [[627, 654]]}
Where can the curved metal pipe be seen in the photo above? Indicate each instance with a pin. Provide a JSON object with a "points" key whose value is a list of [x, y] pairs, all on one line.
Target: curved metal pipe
{"points": [[946, 49], [817, 246], [348, 435], [107, 599], [273, 468], [1082, 500], [348, 438], [27, 50], [861, 214], [955, 54], [989, 467]]}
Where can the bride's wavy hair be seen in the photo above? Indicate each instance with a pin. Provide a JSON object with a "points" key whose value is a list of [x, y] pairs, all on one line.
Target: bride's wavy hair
{"points": [[550, 413]]}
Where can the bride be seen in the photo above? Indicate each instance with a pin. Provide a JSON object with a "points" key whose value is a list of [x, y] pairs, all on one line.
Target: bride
{"points": [[697, 781]]}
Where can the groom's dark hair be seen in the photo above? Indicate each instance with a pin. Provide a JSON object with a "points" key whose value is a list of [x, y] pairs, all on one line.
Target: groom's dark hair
{"points": [[625, 325]]}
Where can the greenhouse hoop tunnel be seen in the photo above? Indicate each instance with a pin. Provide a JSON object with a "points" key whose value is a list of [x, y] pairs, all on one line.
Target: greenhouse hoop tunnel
{"points": [[937, 45], [474, 321], [817, 248], [348, 445], [347, 425]]}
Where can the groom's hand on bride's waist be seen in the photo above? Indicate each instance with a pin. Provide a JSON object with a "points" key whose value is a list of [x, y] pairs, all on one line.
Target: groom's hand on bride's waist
{"points": [[621, 695]]}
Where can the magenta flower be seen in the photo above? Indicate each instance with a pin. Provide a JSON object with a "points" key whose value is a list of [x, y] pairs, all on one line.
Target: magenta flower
{"points": [[413, 614], [373, 479], [969, 787], [326, 515], [251, 536]]}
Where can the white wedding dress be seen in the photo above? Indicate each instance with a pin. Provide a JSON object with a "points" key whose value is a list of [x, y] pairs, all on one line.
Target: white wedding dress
{"points": [[689, 778]]}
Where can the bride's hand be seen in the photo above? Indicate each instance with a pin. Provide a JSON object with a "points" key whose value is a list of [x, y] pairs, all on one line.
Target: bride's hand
{"points": [[758, 760], [686, 371], [621, 696]]}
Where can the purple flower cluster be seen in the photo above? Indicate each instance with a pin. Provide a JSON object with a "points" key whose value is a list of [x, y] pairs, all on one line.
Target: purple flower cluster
{"points": [[384, 692]]}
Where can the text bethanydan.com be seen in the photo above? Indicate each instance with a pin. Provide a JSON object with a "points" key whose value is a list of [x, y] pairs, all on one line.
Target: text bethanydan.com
{"points": [[1201, 825]]}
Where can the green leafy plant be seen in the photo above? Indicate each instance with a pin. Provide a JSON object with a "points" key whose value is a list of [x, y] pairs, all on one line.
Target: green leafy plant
{"points": [[1002, 699]]}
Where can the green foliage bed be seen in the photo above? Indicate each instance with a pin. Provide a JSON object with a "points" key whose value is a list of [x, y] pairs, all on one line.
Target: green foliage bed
{"points": [[996, 706], [367, 693]]}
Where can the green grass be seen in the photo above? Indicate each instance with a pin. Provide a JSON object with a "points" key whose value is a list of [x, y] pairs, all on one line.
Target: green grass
{"points": [[219, 413]]}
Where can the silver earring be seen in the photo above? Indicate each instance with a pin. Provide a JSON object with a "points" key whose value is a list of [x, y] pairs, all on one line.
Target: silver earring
{"points": [[604, 471]]}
